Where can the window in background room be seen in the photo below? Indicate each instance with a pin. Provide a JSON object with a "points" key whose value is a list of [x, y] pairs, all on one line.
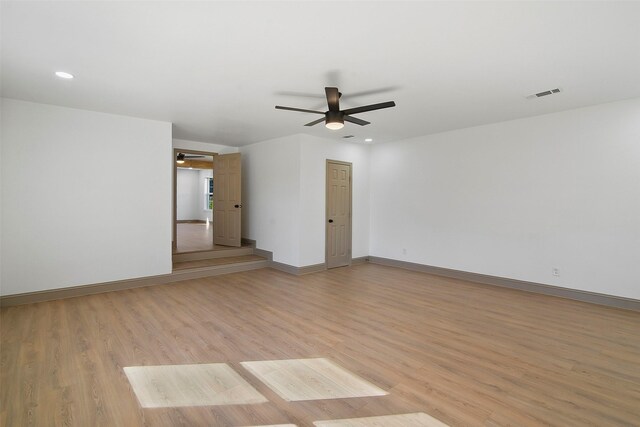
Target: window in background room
{"points": [[208, 191]]}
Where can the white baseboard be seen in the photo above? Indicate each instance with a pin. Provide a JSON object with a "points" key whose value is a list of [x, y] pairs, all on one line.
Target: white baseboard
{"points": [[574, 294]]}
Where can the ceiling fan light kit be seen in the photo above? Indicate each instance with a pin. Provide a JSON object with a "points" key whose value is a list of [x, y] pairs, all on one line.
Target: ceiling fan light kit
{"points": [[334, 118]]}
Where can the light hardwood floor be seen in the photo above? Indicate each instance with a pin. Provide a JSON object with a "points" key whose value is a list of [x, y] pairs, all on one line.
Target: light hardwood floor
{"points": [[194, 237], [463, 353]]}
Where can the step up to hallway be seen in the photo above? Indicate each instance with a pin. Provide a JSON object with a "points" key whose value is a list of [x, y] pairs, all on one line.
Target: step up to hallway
{"points": [[216, 262], [195, 265], [218, 252]]}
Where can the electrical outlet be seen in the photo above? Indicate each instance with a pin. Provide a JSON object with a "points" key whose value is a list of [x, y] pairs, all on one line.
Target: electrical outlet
{"points": [[555, 271]]}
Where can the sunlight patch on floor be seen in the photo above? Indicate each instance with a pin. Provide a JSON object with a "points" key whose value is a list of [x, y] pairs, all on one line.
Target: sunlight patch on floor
{"points": [[418, 419], [311, 379], [190, 385]]}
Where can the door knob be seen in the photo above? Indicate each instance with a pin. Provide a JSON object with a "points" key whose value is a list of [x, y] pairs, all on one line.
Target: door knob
{"points": [[237, 206], [330, 221]]}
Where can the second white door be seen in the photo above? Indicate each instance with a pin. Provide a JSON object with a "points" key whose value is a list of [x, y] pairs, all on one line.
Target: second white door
{"points": [[227, 196]]}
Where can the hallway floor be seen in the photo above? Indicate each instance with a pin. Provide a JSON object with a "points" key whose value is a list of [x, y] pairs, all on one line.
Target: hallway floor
{"points": [[194, 237]]}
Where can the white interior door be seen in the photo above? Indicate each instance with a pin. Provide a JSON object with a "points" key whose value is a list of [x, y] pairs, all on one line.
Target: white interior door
{"points": [[227, 205], [338, 241]]}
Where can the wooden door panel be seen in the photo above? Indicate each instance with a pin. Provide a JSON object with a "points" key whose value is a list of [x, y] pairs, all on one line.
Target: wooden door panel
{"points": [[227, 181], [219, 224], [233, 224], [338, 228]]}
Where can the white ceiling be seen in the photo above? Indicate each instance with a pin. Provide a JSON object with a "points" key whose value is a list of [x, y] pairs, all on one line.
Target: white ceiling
{"points": [[217, 69]]}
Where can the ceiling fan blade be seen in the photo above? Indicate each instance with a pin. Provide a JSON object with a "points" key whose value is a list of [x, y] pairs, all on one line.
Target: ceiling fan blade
{"points": [[333, 98], [371, 92], [299, 94], [370, 107], [356, 121], [315, 122], [298, 109]]}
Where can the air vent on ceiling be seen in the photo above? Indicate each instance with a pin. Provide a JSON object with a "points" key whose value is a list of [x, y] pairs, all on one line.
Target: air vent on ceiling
{"points": [[348, 136], [544, 93]]}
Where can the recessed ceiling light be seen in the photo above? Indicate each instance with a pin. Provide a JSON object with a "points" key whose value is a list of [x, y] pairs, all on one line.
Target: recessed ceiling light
{"points": [[64, 75], [368, 140]]}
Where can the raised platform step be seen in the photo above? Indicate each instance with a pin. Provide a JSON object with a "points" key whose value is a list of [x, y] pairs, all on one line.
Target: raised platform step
{"points": [[217, 266], [216, 261], [219, 252]]}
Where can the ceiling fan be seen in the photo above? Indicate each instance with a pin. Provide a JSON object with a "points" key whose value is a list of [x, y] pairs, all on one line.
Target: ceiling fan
{"points": [[180, 158], [334, 118]]}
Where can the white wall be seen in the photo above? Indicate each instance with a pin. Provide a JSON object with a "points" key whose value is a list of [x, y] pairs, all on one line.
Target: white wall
{"points": [[1, 191], [72, 212], [284, 195], [314, 154], [189, 194], [512, 199], [271, 197], [518, 198]]}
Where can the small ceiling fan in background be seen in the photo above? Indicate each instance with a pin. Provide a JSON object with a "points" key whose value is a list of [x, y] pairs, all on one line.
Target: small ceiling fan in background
{"points": [[181, 157], [334, 118]]}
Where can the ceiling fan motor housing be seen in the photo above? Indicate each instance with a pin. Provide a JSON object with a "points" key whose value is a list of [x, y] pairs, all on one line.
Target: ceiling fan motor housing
{"points": [[334, 117]]}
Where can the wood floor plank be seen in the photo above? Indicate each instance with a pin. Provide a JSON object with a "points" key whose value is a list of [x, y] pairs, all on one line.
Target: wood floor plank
{"points": [[464, 353]]}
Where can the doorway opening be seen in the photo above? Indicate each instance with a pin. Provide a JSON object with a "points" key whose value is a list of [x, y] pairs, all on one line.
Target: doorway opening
{"points": [[192, 201]]}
